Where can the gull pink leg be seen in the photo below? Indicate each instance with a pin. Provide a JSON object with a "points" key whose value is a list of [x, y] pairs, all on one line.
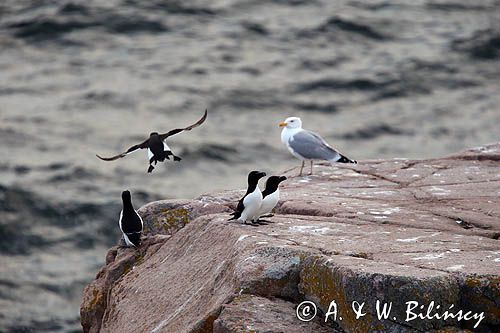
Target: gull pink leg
{"points": [[302, 168]]}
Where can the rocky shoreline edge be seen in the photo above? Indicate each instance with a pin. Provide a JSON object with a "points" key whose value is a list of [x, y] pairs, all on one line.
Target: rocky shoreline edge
{"points": [[392, 231]]}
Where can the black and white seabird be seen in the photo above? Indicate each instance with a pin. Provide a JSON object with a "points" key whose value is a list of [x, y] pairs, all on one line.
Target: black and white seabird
{"points": [[270, 195], [130, 222], [249, 206], [307, 145], [157, 147]]}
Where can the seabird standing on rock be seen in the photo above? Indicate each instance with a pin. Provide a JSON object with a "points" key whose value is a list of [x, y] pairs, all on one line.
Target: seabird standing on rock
{"points": [[157, 147], [271, 195], [249, 206], [307, 145], [130, 222]]}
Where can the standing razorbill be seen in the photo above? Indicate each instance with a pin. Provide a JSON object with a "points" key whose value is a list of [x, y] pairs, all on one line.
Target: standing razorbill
{"points": [[271, 195], [130, 222], [249, 206], [157, 147], [307, 145]]}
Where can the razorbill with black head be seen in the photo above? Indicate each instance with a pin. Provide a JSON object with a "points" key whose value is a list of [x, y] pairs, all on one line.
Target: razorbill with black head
{"points": [[130, 222], [270, 195], [249, 206], [157, 147], [307, 145]]}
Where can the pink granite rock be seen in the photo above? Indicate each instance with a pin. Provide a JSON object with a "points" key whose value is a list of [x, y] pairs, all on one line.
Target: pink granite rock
{"points": [[393, 231], [248, 313]]}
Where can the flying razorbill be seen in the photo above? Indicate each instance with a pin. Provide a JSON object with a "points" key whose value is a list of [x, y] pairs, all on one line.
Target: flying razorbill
{"points": [[157, 147], [249, 206], [270, 195], [307, 145], [130, 222]]}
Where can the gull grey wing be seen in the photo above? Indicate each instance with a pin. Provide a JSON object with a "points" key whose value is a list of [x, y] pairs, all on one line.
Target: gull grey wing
{"points": [[311, 146], [130, 150], [178, 130]]}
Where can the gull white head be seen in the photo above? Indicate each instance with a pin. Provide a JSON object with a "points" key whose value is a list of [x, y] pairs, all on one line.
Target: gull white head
{"points": [[291, 122]]}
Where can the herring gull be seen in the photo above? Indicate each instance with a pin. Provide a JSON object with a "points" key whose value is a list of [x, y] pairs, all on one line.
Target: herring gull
{"points": [[307, 145]]}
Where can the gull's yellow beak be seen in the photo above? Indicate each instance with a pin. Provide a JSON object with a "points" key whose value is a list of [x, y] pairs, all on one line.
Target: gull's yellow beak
{"points": [[283, 124]]}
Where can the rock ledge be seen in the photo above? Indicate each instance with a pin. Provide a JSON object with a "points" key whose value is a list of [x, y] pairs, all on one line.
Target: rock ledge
{"points": [[389, 230]]}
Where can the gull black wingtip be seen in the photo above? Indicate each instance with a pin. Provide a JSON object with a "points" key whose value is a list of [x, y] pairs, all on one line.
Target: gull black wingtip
{"points": [[344, 159]]}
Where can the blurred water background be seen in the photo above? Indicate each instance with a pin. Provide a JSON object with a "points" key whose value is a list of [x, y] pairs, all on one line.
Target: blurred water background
{"points": [[378, 79]]}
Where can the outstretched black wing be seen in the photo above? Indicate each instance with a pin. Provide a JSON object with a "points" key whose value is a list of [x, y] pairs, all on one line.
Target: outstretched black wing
{"points": [[178, 130], [130, 150], [162, 137]]}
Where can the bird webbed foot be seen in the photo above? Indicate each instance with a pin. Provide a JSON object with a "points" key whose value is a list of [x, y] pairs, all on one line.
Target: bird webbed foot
{"points": [[251, 223]]}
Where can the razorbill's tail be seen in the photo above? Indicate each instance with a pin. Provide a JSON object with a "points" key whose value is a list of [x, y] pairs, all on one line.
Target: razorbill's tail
{"points": [[235, 216]]}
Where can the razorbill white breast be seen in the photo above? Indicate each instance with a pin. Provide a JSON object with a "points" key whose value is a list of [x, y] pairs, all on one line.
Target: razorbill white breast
{"points": [[130, 222], [157, 147], [249, 206], [270, 195], [307, 145]]}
